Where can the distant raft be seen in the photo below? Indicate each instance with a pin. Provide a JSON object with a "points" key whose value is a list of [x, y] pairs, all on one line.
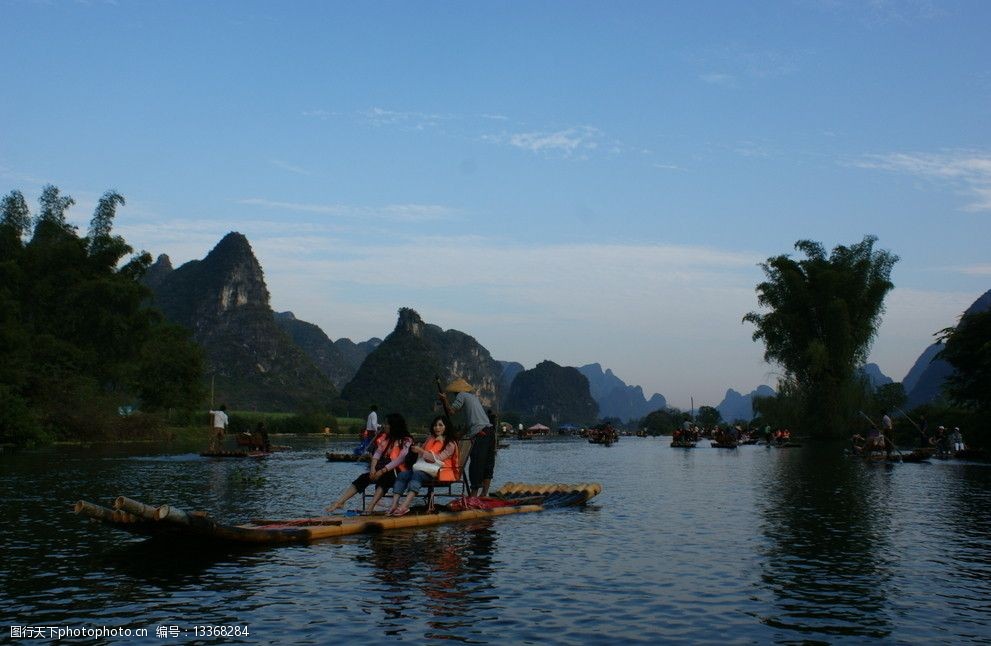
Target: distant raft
{"points": [[165, 520]]}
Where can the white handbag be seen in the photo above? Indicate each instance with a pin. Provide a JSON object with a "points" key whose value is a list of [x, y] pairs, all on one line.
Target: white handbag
{"points": [[430, 468]]}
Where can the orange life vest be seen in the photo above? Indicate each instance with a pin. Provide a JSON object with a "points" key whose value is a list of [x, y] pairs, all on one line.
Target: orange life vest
{"points": [[449, 469], [380, 440], [392, 451]]}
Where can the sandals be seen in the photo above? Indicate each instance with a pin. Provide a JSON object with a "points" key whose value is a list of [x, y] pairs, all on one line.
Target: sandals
{"points": [[399, 512]]}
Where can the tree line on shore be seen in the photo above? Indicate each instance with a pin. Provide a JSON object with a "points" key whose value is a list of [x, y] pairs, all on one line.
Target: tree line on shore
{"points": [[79, 345]]}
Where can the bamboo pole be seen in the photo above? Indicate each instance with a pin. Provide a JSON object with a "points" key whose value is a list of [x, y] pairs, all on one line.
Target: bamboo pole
{"points": [[95, 512], [134, 507], [169, 514]]}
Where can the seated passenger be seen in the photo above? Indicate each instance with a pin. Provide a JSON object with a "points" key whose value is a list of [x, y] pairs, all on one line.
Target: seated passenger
{"points": [[391, 446], [440, 448]]}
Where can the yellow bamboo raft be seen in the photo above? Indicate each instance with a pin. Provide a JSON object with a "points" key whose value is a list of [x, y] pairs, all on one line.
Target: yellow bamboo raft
{"points": [[165, 520]]}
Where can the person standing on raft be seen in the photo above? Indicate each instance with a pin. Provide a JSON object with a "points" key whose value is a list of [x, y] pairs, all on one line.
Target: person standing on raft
{"points": [[218, 426], [482, 457], [370, 432]]}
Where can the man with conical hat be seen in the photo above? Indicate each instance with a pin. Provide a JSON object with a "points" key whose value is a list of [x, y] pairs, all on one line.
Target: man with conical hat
{"points": [[481, 431]]}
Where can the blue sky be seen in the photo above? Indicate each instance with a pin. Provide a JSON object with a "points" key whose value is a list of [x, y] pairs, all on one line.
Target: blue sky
{"points": [[574, 181]]}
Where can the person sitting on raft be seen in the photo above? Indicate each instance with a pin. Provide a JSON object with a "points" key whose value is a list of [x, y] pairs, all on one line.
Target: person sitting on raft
{"points": [[391, 447], [440, 448]]}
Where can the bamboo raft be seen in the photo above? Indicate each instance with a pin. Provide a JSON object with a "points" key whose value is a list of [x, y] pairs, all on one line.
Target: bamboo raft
{"points": [[347, 457], [683, 444], [723, 445], [165, 520]]}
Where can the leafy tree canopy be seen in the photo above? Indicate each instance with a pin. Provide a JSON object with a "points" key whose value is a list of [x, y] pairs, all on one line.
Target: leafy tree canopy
{"points": [[968, 349], [821, 316], [662, 422], [708, 416], [77, 338]]}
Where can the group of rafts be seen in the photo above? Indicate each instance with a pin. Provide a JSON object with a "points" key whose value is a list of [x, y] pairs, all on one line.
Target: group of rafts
{"points": [[168, 521]]}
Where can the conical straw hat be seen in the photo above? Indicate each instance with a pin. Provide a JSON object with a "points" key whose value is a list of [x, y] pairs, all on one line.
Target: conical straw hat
{"points": [[459, 386]]}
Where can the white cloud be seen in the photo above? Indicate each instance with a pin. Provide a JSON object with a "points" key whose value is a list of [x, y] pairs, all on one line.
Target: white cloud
{"points": [[319, 114], [391, 212], [24, 178], [569, 142], [278, 163], [566, 142], [753, 149], [972, 270], [968, 171], [731, 65], [416, 120], [725, 80], [880, 13]]}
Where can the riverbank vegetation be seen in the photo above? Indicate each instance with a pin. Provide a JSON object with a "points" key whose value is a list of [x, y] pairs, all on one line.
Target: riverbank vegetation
{"points": [[81, 350]]}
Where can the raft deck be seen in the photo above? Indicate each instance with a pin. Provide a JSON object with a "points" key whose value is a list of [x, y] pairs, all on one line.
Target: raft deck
{"points": [[138, 518]]}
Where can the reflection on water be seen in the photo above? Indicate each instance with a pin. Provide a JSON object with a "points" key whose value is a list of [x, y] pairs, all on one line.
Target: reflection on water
{"points": [[438, 575], [826, 558], [754, 545]]}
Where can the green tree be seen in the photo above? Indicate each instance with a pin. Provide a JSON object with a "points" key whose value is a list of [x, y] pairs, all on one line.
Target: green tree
{"points": [[890, 397], [100, 239], [662, 422], [168, 372], [968, 349], [15, 214], [77, 337], [708, 416], [53, 208], [823, 316]]}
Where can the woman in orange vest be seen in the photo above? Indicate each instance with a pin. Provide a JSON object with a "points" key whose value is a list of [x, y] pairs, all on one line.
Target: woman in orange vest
{"points": [[440, 448], [391, 447]]}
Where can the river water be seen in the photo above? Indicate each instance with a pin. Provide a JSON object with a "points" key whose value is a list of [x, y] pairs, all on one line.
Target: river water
{"points": [[754, 545]]}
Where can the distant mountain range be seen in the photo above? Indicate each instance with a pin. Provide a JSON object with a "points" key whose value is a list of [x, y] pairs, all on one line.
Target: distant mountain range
{"points": [[736, 406], [338, 360], [615, 398], [258, 359], [875, 377]]}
